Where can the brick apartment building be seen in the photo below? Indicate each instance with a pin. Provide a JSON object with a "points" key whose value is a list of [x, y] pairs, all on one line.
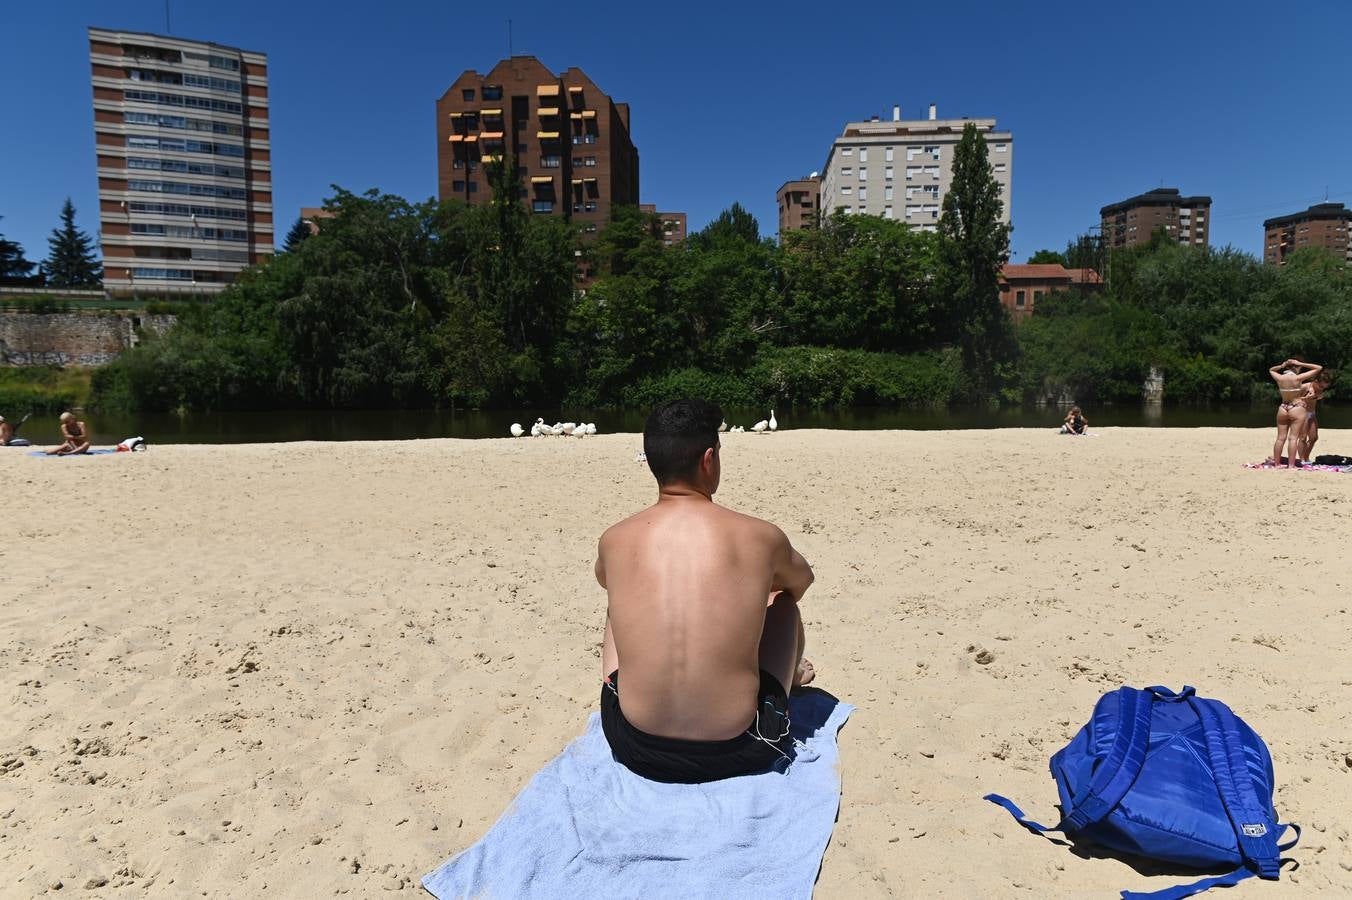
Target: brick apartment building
{"points": [[571, 141], [1326, 225], [1022, 286], [1132, 221], [901, 169], [799, 204], [673, 223], [181, 130]]}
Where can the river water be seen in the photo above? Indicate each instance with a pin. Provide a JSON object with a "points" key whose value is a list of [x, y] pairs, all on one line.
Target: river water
{"points": [[374, 425]]}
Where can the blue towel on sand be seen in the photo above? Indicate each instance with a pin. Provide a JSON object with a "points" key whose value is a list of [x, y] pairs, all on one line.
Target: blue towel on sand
{"points": [[103, 452], [585, 826]]}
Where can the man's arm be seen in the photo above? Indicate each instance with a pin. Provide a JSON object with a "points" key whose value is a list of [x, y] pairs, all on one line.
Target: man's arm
{"points": [[792, 572]]}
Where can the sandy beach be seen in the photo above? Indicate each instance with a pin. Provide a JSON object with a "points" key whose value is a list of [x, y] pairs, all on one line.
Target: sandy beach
{"points": [[313, 669]]}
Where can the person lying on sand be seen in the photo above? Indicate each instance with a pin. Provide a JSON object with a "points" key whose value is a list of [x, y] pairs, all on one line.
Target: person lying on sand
{"points": [[76, 435], [7, 432], [1292, 377], [702, 618]]}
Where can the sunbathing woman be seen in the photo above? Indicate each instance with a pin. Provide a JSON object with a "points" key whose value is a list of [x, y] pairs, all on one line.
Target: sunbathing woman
{"points": [[1075, 422], [75, 435], [1292, 377], [1311, 432]]}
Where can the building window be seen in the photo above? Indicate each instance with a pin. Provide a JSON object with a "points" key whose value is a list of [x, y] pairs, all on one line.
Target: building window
{"points": [[492, 92], [863, 193], [863, 174], [845, 190], [474, 187], [589, 206], [590, 161], [887, 173], [887, 192], [848, 170], [1018, 299], [1001, 148], [590, 228], [847, 151], [912, 209], [863, 154], [467, 94], [887, 155], [1001, 167], [551, 162], [912, 172], [542, 206], [457, 164], [887, 212], [1037, 295]]}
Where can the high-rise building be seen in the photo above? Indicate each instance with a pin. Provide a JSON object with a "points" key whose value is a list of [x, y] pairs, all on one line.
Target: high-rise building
{"points": [[799, 204], [182, 132], [902, 169], [571, 141], [1326, 225], [1133, 221], [673, 223]]}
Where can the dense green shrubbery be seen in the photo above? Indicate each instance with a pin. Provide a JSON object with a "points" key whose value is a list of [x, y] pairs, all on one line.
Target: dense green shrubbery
{"points": [[40, 390], [393, 303], [1212, 321]]}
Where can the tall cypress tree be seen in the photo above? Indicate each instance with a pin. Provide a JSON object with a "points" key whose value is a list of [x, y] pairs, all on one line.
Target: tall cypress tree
{"points": [[71, 262], [14, 268], [296, 236], [975, 246]]}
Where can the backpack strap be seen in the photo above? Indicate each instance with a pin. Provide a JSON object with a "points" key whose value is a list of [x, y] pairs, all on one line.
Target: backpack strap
{"points": [[1122, 766], [1255, 832], [1114, 776]]}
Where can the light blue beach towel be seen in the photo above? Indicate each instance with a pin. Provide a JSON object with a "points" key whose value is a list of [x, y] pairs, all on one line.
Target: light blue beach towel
{"points": [[585, 826]]}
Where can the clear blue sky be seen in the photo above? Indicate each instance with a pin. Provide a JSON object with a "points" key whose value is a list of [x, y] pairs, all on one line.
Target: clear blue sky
{"points": [[1246, 101]]}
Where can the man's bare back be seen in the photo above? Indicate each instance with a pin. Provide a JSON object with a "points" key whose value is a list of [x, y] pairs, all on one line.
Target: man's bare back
{"points": [[688, 583]]}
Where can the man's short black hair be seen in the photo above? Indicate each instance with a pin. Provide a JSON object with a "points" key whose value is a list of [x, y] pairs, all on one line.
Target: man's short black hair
{"points": [[676, 435]]}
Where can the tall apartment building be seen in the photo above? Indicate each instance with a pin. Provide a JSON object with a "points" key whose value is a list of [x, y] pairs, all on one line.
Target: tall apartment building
{"points": [[571, 141], [1326, 225], [1133, 221], [902, 169], [673, 223], [181, 130], [799, 204]]}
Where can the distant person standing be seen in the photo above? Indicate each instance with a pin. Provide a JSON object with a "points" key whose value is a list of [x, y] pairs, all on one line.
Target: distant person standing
{"points": [[1075, 422], [1293, 378], [1311, 434], [76, 436]]}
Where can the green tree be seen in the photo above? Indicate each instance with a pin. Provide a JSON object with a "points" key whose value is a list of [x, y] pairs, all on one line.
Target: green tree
{"points": [[296, 236], [975, 246], [1086, 251], [14, 268], [1047, 257], [71, 262], [734, 221]]}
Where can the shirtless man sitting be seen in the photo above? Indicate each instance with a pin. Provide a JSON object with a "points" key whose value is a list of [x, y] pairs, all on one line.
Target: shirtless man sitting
{"points": [[702, 618]]}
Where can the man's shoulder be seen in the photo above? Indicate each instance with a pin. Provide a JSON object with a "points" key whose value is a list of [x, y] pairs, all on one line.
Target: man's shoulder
{"points": [[751, 524]]}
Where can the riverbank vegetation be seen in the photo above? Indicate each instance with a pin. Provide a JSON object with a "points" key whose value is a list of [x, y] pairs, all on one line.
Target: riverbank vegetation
{"points": [[399, 304], [42, 390]]}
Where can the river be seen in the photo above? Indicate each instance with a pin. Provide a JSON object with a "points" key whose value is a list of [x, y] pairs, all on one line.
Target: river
{"points": [[374, 425]]}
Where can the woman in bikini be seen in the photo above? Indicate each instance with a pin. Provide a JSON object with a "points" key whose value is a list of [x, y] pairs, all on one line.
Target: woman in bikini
{"points": [[1292, 377], [1311, 432], [76, 437]]}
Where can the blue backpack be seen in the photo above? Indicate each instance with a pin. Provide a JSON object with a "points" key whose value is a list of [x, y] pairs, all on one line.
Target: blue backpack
{"points": [[1169, 777]]}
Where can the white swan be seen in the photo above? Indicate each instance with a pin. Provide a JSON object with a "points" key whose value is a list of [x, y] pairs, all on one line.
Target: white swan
{"points": [[569, 427], [591, 428], [760, 426], [723, 426], [773, 423], [538, 429], [557, 428], [517, 430]]}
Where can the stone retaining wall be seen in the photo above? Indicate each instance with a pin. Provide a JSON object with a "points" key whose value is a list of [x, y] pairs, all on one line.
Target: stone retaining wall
{"points": [[72, 339]]}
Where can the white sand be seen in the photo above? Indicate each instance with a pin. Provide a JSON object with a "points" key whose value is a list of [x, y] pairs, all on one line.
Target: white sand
{"points": [[235, 670]]}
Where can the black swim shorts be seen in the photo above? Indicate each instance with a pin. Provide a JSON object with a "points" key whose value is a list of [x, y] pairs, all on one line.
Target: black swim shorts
{"points": [[765, 741]]}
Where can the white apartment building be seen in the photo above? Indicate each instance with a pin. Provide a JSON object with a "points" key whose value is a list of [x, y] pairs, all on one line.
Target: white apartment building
{"points": [[902, 169]]}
